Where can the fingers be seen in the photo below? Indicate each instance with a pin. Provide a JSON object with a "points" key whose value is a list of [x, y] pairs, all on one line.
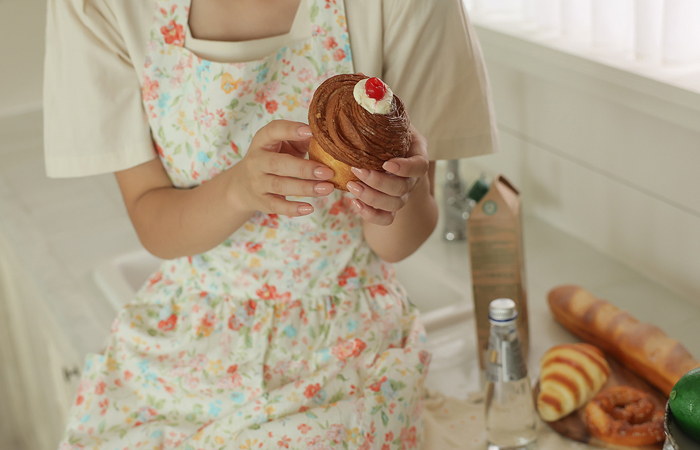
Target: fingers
{"points": [[412, 167], [277, 204], [285, 165], [271, 136], [373, 215], [295, 187], [376, 199], [389, 184]]}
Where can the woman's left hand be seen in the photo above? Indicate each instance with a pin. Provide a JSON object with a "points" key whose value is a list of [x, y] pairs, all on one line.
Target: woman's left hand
{"points": [[380, 195]]}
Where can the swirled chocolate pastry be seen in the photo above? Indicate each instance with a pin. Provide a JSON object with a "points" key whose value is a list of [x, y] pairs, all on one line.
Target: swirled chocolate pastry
{"points": [[356, 121]]}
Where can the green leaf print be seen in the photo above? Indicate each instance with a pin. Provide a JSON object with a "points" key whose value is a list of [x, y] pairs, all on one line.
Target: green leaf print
{"points": [[397, 385], [101, 427], [248, 341], [297, 90], [274, 76], [152, 332], [190, 151], [161, 134], [178, 149], [311, 415], [314, 12], [315, 64], [340, 375], [233, 104], [385, 419], [312, 332], [337, 397]]}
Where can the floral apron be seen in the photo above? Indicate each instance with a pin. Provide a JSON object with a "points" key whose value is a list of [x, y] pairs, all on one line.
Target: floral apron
{"points": [[290, 334]]}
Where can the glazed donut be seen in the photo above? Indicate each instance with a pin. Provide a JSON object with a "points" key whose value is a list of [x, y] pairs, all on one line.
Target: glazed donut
{"points": [[622, 415], [356, 121]]}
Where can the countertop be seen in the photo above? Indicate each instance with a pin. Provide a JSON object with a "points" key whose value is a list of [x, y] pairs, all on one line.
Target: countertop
{"points": [[59, 230]]}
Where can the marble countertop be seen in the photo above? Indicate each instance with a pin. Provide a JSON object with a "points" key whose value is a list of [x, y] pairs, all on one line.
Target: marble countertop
{"points": [[61, 229]]}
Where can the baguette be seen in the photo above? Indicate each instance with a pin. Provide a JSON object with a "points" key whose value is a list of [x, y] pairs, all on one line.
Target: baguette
{"points": [[641, 347]]}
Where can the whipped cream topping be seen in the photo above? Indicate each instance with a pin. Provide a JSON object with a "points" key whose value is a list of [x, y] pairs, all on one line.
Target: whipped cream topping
{"points": [[382, 106]]}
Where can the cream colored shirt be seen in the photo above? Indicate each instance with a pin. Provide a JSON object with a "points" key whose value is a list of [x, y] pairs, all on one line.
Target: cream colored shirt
{"points": [[94, 121]]}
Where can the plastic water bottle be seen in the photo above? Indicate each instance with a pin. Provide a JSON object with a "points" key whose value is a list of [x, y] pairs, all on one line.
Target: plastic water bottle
{"points": [[511, 421]]}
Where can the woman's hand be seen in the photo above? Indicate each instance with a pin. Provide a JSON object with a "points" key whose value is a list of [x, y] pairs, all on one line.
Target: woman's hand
{"points": [[274, 167], [380, 195]]}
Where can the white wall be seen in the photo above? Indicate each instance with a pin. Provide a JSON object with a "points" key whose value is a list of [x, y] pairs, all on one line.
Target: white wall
{"points": [[612, 175], [21, 55]]}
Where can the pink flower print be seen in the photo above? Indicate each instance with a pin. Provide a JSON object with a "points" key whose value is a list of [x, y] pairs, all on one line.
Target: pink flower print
{"points": [[100, 388], [168, 324], [128, 375], [79, 400], [347, 349], [272, 88], [311, 390], [103, 406], [173, 33], [149, 90], [245, 88], [378, 289], [335, 433], [330, 43], [409, 438], [234, 147], [271, 106], [339, 54], [199, 362], [386, 446], [377, 385], [349, 272], [191, 381], [253, 247], [284, 442], [305, 75], [270, 221], [304, 428], [337, 207], [207, 325], [234, 323], [389, 436], [250, 307], [228, 84], [267, 292], [318, 31], [261, 96]]}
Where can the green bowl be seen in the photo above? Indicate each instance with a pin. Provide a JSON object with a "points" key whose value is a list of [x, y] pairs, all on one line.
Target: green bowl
{"points": [[676, 439]]}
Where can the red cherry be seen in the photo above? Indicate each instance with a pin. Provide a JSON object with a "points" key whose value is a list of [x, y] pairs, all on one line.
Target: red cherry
{"points": [[375, 88]]}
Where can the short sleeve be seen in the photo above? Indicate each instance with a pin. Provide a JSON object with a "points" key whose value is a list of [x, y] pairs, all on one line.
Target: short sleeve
{"points": [[432, 60], [94, 121]]}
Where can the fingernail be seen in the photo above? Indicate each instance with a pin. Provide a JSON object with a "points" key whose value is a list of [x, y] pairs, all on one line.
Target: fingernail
{"points": [[323, 173], [360, 173], [357, 204], [390, 166], [305, 209], [304, 131], [355, 188], [323, 188]]}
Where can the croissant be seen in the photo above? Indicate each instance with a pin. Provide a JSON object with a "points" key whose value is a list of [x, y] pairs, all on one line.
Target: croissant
{"points": [[356, 121], [570, 376]]}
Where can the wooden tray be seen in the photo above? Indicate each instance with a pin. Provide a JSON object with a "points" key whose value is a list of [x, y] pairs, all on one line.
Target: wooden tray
{"points": [[573, 427]]}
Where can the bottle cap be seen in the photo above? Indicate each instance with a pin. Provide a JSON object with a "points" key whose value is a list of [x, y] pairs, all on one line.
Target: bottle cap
{"points": [[502, 310]]}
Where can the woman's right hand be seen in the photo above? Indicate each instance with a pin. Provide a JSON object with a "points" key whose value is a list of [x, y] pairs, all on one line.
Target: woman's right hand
{"points": [[274, 168]]}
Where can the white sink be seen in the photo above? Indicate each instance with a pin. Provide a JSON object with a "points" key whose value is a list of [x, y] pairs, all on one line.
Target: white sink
{"points": [[434, 277]]}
